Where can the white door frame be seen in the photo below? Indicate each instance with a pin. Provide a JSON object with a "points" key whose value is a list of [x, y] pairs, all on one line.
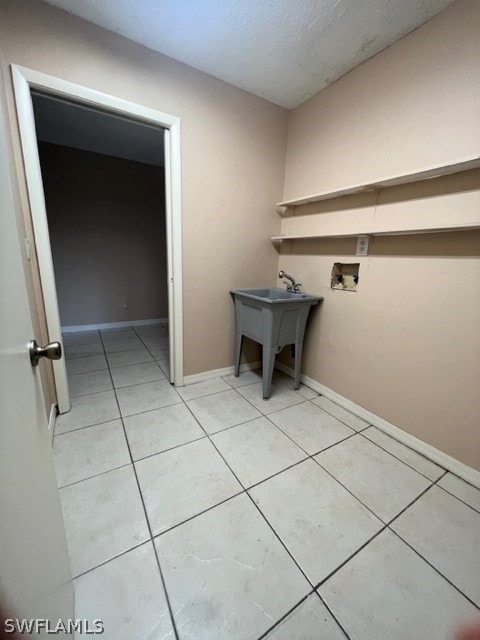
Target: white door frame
{"points": [[23, 81]]}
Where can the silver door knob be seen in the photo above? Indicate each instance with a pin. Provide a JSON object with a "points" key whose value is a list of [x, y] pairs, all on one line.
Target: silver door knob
{"points": [[52, 351]]}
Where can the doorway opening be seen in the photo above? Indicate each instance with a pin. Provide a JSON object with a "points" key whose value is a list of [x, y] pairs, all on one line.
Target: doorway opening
{"points": [[116, 261], [104, 185]]}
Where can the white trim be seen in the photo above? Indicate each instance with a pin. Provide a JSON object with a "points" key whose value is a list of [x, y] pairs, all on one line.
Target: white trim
{"points": [[435, 455], [173, 196], [215, 373], [23, 81], [51, 420], [74, 328], [26, 123]]}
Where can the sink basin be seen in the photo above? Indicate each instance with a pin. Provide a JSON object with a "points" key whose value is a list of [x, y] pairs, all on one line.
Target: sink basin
{"points": [[273, 318], [273, 295]]}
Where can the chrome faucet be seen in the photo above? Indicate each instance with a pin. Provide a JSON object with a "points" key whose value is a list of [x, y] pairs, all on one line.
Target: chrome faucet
{"points": [[292, 285]]}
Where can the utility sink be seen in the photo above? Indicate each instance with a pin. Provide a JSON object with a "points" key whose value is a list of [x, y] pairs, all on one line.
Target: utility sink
{"points": [[274, 318], [271, 295]]}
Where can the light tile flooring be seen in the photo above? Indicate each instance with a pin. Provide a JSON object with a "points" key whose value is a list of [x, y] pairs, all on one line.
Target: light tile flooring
{"points": [[207, 512]]}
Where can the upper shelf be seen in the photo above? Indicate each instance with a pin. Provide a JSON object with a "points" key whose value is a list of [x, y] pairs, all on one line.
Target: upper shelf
{"points": [[413, 176]]}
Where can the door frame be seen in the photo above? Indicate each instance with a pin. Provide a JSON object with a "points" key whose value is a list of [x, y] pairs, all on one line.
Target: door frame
{"points": [[24, 80]]}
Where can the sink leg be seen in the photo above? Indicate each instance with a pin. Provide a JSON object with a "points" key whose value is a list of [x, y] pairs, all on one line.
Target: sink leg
{"points": [[298, 362], [268, 362], [238, 352]]}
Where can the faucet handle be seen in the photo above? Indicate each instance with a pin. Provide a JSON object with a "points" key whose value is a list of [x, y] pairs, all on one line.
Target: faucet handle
{"points": [[297, 286]]}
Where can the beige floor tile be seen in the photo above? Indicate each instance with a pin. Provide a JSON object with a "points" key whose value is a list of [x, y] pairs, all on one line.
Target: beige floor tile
{"points": [[221, 572], [182, 482]]}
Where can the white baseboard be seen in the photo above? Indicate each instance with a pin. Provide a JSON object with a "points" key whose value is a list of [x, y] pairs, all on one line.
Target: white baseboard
{"points": [[435, 455], [216, 373], [51, 420], [113, 325]]}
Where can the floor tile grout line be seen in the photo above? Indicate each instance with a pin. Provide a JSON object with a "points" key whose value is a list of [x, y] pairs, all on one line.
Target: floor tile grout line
{"points": [[97, 345], [349, 491], [434, 484], [235, 495], [383, 528], [285, 615], [359, 500], [83, 372], [204, 395], [261, 514], [81, 357], [90, 393], [176, 446], [118, 555], [200, 513], [209, 436], [456, 497], [95, 475], [432, 566], [332, 613], [307, 455], [215, 393], [265, 519], [141, 413], [136, 384], [265, 415], [146, 515], [144, 344], [397, 458], [273, 530], [343, 421], [118, 366], [411, 503], [310, 455], [86, 426]]}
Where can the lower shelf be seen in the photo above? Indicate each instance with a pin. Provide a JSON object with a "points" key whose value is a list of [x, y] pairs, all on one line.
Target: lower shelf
{"points": [[463, 227]]}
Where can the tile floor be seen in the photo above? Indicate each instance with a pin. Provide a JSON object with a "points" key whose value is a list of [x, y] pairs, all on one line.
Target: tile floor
{"points": [[207, 512]]}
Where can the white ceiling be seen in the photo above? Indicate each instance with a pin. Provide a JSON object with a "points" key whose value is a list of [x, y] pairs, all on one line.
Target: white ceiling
{"points": [[282, 50], [73, 125]]}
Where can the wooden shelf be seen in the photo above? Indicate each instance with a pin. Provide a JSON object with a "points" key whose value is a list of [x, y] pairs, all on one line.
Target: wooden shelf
{"points": [[426, 174]]}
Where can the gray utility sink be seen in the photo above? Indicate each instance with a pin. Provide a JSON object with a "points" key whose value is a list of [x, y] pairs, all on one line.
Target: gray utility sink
{"points": [[274, 318]]}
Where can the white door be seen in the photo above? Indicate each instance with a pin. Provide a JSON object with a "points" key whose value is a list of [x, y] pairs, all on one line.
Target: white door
{"points": [[35, 577]]}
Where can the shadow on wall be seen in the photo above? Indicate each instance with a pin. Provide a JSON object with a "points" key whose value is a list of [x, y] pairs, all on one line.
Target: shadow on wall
{"points": [[107, 229]]}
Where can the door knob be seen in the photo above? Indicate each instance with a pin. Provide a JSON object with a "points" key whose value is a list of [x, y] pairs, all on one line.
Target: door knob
{"points": [[52, 351]]}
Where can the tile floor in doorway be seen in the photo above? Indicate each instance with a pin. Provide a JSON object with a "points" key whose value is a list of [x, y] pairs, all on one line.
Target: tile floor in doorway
{"points": [[207, 512]]}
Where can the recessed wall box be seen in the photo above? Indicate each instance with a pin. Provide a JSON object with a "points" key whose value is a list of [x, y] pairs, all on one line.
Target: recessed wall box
{"points": [[345, 276]]}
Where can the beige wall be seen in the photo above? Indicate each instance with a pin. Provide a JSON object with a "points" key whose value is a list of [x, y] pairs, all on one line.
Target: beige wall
{"points": [[406, 345], [106, 218], [233, 153], [414, 105]]}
